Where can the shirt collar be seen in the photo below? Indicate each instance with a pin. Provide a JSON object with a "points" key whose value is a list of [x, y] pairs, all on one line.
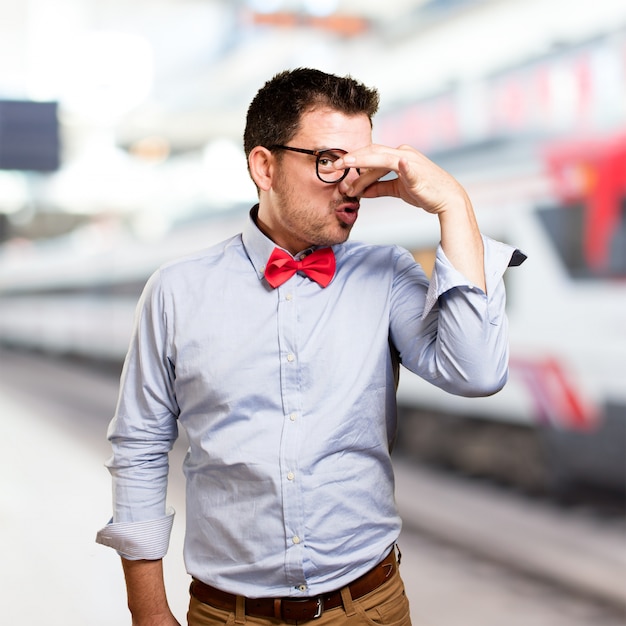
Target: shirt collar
{"points": [[258, 247]]}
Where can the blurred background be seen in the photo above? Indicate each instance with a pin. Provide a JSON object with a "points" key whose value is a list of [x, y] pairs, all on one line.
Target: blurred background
{"points": [[120, 148]]}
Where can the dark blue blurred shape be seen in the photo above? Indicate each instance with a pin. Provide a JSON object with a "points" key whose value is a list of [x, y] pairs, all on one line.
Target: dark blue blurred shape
{"points": [[29, 136]]}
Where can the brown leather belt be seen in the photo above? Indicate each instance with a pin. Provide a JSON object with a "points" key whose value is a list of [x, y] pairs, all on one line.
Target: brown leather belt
{"points": [[291, 609]]}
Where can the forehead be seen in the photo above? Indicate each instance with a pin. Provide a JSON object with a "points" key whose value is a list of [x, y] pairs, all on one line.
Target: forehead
{"points": [[328, 128]]}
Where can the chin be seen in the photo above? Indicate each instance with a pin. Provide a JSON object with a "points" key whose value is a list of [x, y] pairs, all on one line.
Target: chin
{"points": [[344, 233]]}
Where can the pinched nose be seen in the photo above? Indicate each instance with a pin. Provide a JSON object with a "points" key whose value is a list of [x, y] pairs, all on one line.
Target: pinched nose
{"points": [[348, 181]]}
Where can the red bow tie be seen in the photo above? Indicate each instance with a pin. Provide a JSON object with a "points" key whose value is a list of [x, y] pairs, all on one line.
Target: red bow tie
{"points": [[318, 266]]}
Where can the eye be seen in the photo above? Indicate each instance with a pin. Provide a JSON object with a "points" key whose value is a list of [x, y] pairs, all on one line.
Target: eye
{"points": [[327, 158]]}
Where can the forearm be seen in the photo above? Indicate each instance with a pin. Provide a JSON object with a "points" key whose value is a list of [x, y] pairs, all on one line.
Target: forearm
{"points": [[461, 241], [147, 599]]}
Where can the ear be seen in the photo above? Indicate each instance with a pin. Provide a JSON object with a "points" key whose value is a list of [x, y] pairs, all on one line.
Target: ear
{"points": [[261, 163]]}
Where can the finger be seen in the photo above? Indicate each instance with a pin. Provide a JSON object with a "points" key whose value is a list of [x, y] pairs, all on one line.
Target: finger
{"points": [[407, 174], [374, 187], [374, 156], [405, 185], [367, 161], [380, 188], [404, 168], [366, 179]]}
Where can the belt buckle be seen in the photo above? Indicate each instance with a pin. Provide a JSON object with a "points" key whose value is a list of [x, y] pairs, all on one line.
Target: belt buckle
{"points": [[318, 613], [320, 608]]}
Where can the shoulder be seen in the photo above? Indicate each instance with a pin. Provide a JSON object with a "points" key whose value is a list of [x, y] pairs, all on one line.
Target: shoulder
{"points": [[360, 252], [374, 264], [203, 259], [188, 270]]}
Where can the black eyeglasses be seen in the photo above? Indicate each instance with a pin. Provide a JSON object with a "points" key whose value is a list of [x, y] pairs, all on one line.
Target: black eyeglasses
{"points": [[324, 160]]}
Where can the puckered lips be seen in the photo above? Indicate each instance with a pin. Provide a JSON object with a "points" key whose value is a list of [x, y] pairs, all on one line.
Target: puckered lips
{"points": [[347, 212]]}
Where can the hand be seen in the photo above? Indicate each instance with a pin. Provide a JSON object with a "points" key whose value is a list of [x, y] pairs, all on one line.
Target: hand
{"points": [[419, 181], [423, 184]]}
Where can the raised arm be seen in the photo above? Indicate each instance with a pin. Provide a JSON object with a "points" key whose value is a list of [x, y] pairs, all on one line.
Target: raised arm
{"points": [[423, 184]]}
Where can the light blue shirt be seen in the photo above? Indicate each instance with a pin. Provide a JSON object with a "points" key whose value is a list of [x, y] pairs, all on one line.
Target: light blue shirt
{"points": [[288, 399]]}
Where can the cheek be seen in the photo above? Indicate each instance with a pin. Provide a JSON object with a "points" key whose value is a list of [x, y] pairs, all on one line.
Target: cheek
{"points": [[306, 198]]}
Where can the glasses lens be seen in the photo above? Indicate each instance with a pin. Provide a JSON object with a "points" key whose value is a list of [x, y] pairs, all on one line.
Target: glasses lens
{"points": [[325, 166]]}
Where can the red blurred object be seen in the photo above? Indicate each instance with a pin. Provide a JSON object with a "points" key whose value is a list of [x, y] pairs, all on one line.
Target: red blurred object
{"points": [[344, 25], [592, 172]]}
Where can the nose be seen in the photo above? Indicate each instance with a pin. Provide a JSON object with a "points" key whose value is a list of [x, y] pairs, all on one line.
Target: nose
{"points": [[352, 175]]}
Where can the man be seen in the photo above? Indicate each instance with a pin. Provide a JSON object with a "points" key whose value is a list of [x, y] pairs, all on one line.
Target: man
{"points": [[277, 351]]}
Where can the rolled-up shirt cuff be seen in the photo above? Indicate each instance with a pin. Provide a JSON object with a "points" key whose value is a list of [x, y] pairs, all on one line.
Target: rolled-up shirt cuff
{"points": [[497, 257], [147, 539]]}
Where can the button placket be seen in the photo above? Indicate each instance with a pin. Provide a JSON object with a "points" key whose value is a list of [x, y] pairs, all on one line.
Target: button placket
{"points": [[292, 432]]}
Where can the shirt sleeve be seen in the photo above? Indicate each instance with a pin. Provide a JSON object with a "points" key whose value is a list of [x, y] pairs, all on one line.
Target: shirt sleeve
{"points": [[139, 540], [497, 257], [457, 336], [142, 433]]}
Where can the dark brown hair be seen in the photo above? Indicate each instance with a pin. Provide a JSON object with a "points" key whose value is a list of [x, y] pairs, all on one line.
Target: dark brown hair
{"points": [[275, 112]]}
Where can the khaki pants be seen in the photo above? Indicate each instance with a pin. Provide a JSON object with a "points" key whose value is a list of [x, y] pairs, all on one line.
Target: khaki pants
{"points": [[385, 606]]}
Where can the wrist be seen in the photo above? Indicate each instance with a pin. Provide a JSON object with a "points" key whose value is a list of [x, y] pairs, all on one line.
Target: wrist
{"points": [[156, 620]]}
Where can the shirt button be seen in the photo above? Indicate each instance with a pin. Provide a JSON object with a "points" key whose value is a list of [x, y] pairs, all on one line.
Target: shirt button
{"points": [[290, 357], [293, 417], [289, 297], [291, 476], [296, 539], [301, 587]]}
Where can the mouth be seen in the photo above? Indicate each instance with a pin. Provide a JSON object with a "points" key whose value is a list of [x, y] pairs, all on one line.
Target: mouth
{"points": [[347, 212]]}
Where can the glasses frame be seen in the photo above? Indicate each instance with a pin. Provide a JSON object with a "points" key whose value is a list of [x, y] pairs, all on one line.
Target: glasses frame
{"points": [[318, 154]]}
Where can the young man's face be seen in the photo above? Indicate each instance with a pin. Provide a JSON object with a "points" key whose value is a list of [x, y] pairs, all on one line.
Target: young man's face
{"points": [[299, 210]]}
